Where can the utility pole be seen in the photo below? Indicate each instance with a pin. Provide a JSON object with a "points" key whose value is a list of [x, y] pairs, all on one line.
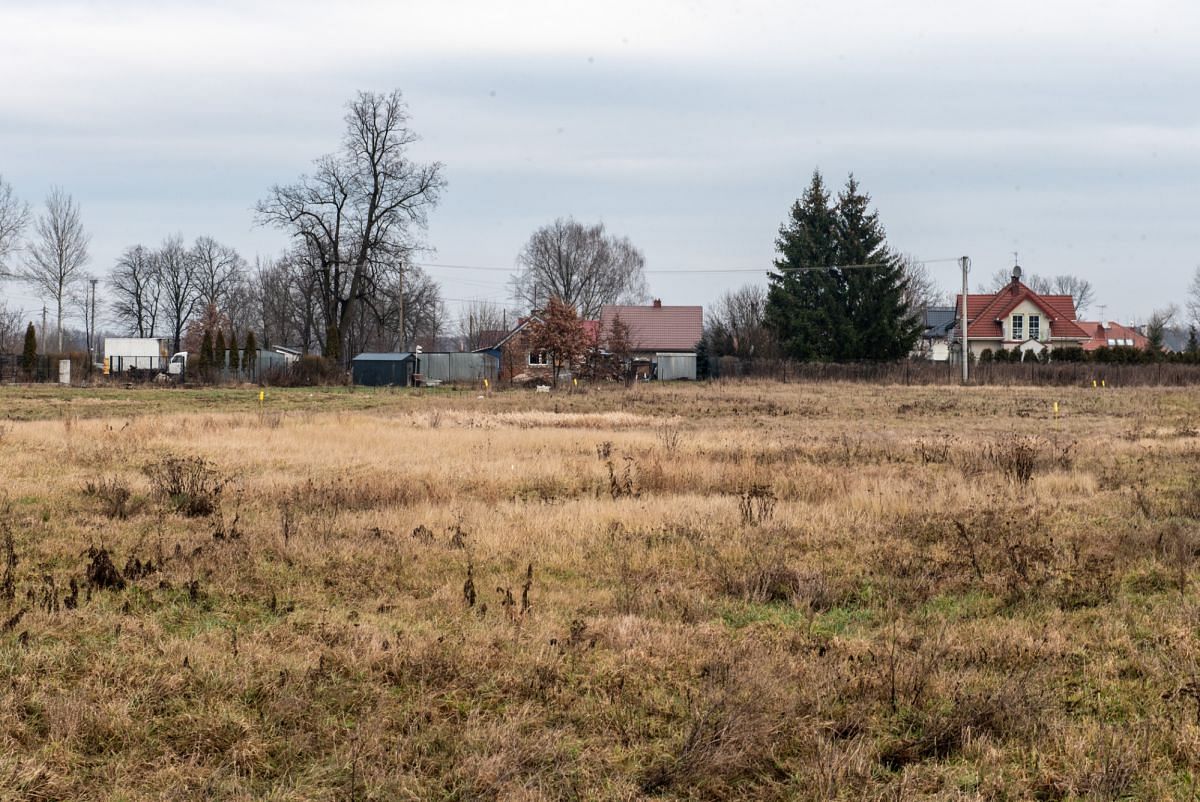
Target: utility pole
{"points": [[400, 308], [965, 263], [92, 330]]}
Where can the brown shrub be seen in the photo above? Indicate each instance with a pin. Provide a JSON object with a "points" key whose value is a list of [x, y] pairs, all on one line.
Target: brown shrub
{"points": [[190, 484]]}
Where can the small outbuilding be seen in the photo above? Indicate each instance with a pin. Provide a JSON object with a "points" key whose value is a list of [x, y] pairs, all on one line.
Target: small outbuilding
{"points": [[382, 370]]}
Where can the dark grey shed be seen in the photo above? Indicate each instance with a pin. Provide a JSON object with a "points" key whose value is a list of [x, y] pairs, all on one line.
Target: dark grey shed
{"points": [[381, 370]]}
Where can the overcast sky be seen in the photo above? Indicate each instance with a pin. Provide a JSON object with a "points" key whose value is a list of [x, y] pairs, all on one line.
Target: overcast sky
{"points": [[1066, 131]]}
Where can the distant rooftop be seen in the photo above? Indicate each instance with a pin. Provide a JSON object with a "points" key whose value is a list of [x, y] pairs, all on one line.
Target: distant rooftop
{"points": [[380, 357]]}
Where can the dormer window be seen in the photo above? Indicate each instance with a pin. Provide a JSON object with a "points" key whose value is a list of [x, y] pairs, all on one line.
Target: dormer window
{"points": [[1035, 327], [1018, 327]]}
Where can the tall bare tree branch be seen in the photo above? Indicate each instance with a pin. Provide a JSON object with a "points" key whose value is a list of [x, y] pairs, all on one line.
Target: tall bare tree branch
{"points": [[55, 257], [176, 274], [737, 324], [478, 323], [1193, 300], [361, 208], [14, 216], [136, 287], [581, 265], [218, 270]]}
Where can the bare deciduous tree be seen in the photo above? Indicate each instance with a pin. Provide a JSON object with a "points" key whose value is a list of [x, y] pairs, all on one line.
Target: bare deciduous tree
{"points": [[479, 323], [219, 272], [56, 255], [178, 281], [736, 324], [1080, 289], [12, 329], [288, 302], [1156, 327], [360, 209], [582, 266], [136, 287], [1193, 299], [921, 290], [401, 308], [14, 216]]}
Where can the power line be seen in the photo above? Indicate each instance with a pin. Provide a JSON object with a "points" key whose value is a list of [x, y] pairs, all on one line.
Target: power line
{"points": [[697, 270], [802, 269]]}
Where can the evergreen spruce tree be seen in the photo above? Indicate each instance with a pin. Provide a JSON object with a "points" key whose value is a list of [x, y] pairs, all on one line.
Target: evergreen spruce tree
{"points": [[250, 356], [881, 325], [235, 355], [804, 306], [702, 372], [219, 352], [1193, 344], [842, 312], [29, 353], [206, 355]]}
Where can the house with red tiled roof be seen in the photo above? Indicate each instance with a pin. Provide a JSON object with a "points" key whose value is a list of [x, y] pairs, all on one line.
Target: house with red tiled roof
{"points": [[1016, 317], [662, 338], [1112, 335]]}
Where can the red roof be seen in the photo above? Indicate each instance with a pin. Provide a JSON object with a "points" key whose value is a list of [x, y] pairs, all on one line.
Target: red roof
{"points": [[986, 312], [591, 329], [1120, 335], [658, 328]]}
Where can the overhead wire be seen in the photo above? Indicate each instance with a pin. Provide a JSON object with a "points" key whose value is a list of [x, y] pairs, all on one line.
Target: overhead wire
{"points": [[691, 270]]}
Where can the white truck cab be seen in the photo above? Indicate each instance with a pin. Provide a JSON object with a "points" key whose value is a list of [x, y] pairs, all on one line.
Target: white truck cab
{"points": [[178, 364]]}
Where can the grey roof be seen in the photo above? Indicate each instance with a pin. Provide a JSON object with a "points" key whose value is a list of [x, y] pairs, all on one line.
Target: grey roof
{"points": [[398, 357], [939, 320]]}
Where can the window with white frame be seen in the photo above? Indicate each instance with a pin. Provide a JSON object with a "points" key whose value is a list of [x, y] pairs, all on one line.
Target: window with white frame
{"points": [[1035, 327], [539, 358], [1018, 327]]}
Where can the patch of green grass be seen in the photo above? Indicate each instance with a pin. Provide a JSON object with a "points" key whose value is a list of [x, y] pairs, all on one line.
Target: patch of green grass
{"points": [[744, 614], [955, 607], [843, 621]]}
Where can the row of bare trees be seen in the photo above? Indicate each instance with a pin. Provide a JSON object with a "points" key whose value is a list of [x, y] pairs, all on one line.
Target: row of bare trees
{"points": [[401, 307], [348, 282], [54, 255], [162, 291]]}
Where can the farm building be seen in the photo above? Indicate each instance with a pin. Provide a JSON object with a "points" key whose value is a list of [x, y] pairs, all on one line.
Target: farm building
{"points": [[663, 338], [382, 370]]}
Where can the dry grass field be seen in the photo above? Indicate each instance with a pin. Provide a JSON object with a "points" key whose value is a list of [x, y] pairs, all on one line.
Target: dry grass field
{"points": [[751, 591]]}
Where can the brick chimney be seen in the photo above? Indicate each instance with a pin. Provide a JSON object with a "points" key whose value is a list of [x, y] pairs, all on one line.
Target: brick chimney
{"points": [[658, 303]]}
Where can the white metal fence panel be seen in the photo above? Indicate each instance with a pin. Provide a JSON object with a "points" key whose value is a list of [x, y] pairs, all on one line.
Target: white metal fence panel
{"points": [[676, 366]]}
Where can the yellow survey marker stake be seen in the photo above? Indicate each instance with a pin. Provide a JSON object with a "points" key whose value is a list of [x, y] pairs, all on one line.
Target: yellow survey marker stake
{"points": [[1056, 410]]}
